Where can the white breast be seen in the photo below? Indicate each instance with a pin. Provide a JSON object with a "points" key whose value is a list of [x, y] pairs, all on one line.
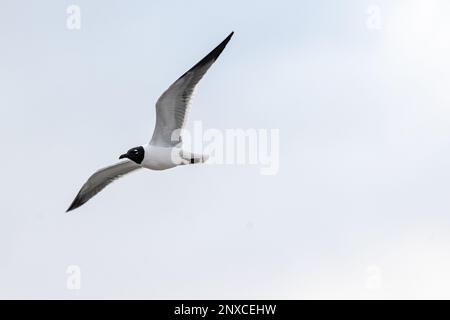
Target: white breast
{"points": [[160, 158]]}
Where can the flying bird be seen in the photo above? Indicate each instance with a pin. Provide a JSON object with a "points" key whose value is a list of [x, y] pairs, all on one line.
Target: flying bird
{"points": [[164, 150]]}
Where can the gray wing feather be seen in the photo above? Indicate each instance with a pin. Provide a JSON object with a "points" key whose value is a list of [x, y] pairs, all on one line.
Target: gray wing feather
{"points": [[100, 179], [173, 105]]}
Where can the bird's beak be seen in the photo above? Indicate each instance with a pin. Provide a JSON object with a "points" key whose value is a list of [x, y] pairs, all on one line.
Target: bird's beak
{"points": [[123, 156]]}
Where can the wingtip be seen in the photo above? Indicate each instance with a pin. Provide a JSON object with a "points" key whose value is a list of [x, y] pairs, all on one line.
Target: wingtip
{"points": [[75, 204], [228, 37], [212, 56], [218, 50]]}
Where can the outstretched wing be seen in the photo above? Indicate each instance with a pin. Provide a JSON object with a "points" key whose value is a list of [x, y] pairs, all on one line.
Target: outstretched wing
{"points": [[100, 179], [172, 106]]}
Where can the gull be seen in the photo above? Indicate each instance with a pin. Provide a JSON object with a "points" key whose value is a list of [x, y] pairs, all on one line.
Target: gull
{"points": [[164, 151]]}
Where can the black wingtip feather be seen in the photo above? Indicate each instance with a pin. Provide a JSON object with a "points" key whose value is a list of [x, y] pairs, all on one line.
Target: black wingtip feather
{"points": [[72, 207], [213, 55], [77, 202]]}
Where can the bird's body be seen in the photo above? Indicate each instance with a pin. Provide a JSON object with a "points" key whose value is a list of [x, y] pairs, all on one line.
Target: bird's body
{"points": [[159, 158], [162, 158], [164, 151]]}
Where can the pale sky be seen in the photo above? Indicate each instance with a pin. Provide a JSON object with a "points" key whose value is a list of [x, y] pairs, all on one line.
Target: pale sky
{"points": [[358, 91]]}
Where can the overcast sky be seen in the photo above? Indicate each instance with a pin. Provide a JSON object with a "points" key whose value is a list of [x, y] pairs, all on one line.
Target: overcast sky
{"points": [[359, 91]]}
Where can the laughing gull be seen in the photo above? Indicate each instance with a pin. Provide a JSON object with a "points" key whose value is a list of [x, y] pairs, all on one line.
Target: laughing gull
{"points": [[164, 150]]}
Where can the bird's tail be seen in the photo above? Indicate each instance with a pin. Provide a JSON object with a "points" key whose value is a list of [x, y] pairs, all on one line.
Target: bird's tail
{"points": [[193, 158]]}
